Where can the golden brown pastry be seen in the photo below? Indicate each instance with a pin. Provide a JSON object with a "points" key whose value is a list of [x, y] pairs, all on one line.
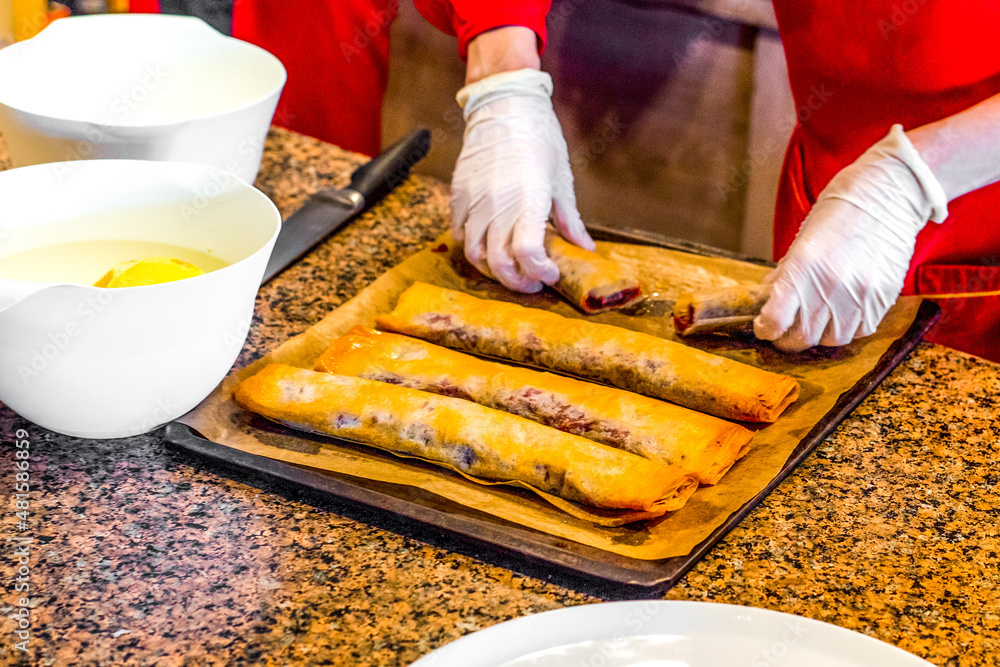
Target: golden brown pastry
{"points": [[590, 282], [473, 439], [723, 310], [628, 359], [701, 444]]}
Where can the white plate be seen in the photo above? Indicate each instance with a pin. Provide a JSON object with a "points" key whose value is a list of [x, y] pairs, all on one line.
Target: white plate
{"points": [[666, 634]]}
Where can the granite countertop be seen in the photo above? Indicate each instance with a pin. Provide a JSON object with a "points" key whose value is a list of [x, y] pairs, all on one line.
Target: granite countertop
{"points": [[147, 556]]}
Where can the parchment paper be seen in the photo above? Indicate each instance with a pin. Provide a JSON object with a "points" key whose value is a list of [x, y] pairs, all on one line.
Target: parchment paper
{"points": [[824, 376]]}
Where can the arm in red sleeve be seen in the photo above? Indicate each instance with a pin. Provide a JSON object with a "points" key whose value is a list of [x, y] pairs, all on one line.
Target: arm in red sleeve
{"points": [[468, 18]]}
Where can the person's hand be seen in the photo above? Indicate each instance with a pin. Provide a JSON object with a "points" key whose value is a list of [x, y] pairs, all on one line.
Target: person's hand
{"points": [[848, 262], [513, 172]]}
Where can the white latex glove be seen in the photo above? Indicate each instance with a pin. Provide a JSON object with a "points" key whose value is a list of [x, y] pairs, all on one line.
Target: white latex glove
{"points": [[512, 172], [849, 259]]}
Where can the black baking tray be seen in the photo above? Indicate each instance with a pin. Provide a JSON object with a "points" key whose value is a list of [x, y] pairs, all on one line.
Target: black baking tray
{"points": [[431, 518]]}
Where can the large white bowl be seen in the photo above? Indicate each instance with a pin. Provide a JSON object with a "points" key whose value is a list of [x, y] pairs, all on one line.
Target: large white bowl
{"points": [[103, 363], [138, 86]]}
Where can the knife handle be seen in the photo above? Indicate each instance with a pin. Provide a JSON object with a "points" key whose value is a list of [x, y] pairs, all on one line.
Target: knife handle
{"points": [[376, 178]]}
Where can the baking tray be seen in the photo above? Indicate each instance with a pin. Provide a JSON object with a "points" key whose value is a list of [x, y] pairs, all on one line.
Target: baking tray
{"points": [[436, 520]]}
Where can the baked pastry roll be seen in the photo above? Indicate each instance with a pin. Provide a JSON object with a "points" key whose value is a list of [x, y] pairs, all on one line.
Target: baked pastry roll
{"points": [[698, 443], [475, 440], [590, 282], [723, 310], [627, 359]]}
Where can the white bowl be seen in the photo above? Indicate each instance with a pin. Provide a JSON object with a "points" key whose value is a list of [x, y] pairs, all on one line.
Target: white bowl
{"points": [[667, 633], [103, 363], [138, 86]]}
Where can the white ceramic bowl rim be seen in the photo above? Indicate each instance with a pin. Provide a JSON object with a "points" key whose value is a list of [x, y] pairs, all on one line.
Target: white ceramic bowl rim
{"points": [[76, 23], [612, 622], [165, 167]]}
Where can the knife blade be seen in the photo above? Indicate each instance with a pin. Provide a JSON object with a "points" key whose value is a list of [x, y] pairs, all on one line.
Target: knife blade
{"points": [[328, 210]]}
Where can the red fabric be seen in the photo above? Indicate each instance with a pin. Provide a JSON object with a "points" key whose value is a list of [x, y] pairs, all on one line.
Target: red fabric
{"points": [[856, 69], [467, 18], [144, 6], [336, 53], [970, 317]]}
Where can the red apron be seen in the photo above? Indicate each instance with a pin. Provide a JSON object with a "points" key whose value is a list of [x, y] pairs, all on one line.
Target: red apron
{"points": [[855, 70], [337, 58]]}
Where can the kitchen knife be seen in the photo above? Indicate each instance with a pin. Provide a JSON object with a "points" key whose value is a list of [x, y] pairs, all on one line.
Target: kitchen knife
{"points": [[326, 211]]}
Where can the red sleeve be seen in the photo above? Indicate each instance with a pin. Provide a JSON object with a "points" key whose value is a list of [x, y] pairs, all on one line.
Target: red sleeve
{"points": [[468, 18], [144, 6]]}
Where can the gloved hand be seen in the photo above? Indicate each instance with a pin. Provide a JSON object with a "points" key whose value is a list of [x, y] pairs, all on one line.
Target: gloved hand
{"points": [[849, 259], [512, 171]]}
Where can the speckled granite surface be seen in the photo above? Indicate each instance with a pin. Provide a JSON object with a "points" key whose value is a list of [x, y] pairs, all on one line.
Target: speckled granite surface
{"points": [[145, 556]]}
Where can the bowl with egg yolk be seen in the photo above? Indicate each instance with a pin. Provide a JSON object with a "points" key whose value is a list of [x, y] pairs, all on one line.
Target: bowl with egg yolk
{"points": [[127, 289]]}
